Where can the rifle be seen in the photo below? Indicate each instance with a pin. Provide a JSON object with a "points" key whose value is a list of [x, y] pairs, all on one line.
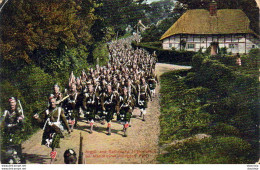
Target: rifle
{"points": [[59, 101], [80, 161], [21, 107]]}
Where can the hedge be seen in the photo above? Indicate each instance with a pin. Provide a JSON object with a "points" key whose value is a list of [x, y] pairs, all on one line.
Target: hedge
{"points": [[166, 56]]}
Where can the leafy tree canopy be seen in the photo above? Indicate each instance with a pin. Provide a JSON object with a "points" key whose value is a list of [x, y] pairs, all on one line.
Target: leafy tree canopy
{"points": [[44, 25]]}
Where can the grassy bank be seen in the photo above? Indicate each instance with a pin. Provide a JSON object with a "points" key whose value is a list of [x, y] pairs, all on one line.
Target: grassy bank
{"points": [[212, 100]]}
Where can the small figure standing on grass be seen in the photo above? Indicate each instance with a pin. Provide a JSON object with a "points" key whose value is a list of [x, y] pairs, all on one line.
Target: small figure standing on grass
{"points": [[238, 59]]}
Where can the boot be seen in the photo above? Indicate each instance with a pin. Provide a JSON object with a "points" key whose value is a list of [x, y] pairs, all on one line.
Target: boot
{"points": [[109, 129], [72, 127], [141, 113], [91, 127], [125, 129], [144, 113], [53, 155]]}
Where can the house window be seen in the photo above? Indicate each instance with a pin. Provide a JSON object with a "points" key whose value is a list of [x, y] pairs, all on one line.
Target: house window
{"points": [[170, 45], [253, 46], [191, 46], [231, 46]]}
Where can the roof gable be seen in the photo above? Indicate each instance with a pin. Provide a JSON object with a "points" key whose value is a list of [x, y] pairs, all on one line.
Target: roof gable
{"points": [[199, 21]]}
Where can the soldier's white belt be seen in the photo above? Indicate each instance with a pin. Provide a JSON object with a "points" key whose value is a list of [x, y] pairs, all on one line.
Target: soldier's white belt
{"points": [[54, 123], [108, 102], [141, 102]]}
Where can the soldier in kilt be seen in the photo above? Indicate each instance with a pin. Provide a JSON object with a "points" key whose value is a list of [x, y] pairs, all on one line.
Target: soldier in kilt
{"points": [[143, 96], [109, 102], [101, 89], [90, 106], [152, 81], [12, 124], [51, 120], [70, 105], [125, 110]]}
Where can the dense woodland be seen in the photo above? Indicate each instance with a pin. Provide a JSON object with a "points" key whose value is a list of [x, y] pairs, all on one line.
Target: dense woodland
{"points": [[43, 41]]}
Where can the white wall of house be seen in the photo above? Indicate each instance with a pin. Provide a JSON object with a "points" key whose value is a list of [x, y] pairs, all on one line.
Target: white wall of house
{"points": [[235, 43]]}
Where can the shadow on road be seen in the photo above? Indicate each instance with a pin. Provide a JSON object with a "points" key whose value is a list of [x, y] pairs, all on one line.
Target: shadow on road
{"points": [[33, 158]]}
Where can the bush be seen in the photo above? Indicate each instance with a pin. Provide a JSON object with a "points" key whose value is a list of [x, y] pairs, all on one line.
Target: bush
{"points": [[36, 87], [197, 61], [229, 60], [252, 59]]}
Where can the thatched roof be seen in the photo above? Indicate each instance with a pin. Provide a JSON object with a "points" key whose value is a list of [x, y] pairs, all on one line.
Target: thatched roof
{"points": [[199, 21]]}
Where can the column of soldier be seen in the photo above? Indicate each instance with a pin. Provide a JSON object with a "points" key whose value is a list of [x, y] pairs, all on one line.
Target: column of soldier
{"points": [[126, 82]]}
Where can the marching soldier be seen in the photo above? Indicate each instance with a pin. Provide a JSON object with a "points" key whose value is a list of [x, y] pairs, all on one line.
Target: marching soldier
{"points": [[101, 89], [143, 96], [71, 106], [13, 119], [57, 94], [125, 110], [109, 103], [12, 123], [90, 106], [52, 120], [152, 81]]}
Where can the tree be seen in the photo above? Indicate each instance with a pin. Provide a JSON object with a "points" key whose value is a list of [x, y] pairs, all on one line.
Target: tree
{"points": [[42, 26], [160, 9], [121, 13]]}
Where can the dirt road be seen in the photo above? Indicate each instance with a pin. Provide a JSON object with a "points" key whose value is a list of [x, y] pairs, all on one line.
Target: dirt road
{"points": [[140, 147]]}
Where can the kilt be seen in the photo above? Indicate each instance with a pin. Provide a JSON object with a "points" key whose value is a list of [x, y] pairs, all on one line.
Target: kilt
{"points": [[125, 114]]}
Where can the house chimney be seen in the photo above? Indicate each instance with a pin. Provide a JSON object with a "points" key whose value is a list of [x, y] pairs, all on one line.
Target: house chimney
{"points": [[213, 8]]}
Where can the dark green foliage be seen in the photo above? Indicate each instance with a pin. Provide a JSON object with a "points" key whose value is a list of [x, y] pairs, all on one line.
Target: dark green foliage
{"points": [[167, 56], [159, 10], [35, 85], [252, 59], [229, 60], [197, 61], [121, 13], [215, 99], [100, 54], [154, 32]]}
